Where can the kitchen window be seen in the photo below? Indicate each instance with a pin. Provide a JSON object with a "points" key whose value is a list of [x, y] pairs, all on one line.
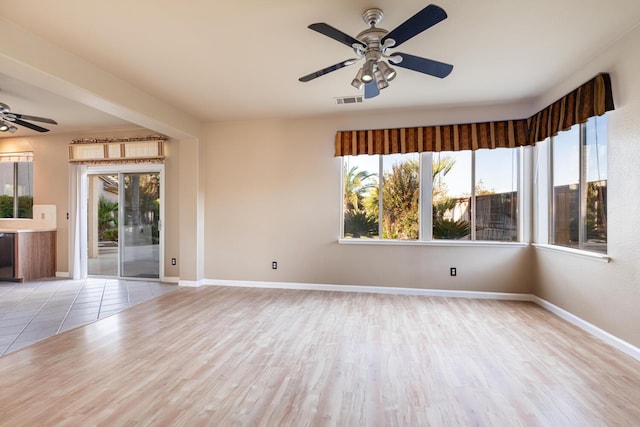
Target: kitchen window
{"points": [[16, 185]]}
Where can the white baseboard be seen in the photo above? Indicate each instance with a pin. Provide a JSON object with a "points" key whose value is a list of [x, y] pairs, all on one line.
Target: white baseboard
{"points": [[190, 283], [605, 336], [63, 274], [169, 279], [608, 338], [371, 289]]}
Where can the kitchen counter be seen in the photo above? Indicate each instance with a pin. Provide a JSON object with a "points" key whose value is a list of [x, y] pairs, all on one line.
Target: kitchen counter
{"points": [[27, 254]]}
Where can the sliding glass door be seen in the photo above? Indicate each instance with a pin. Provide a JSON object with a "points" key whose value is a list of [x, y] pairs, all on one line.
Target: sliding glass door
{"points": [[102, 224], [123, 219], [140, 249]]}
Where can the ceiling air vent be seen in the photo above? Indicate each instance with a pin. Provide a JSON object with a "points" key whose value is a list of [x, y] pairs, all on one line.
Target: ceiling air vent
{"points": [[349, 100]]}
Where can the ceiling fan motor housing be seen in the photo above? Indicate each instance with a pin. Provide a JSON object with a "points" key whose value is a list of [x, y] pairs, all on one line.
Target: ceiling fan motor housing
{"points": [[371, 36]]}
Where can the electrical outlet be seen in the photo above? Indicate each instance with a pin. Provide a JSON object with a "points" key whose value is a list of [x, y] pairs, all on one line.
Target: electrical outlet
{"points": [[274, 265], [173, 261], [453, 271]]}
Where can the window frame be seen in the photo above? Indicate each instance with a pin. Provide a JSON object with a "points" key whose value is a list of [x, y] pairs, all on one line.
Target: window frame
{"points": [[426, 209], [583, 247]]}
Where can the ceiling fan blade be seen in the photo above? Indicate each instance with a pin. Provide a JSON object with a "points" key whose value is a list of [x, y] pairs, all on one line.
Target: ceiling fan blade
{"points": [[29, 125], [423, 65], [327, 70], [334, 33], [371, 90], [35, 119], [426, 18]]}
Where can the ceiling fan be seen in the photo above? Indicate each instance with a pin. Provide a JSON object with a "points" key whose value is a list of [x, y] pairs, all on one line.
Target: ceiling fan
{"points": [[373, 45], [8, 119]]}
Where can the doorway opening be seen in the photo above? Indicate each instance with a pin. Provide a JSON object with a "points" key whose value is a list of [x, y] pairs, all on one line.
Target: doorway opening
{"points": [[123, 224]]}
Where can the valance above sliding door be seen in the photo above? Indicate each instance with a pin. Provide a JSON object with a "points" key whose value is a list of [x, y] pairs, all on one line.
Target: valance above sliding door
{"points": [[145, 149], [591, 99]]}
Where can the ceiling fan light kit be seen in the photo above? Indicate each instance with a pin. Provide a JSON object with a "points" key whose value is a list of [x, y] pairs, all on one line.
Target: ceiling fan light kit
{"points": [[373, 44], [367, 71], [388, 72], [381, 82], [357, 81], [6, 127]]}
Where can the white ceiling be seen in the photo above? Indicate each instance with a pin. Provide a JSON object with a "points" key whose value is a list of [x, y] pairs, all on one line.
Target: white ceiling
{"points": [[71, 116], [242, 59]]}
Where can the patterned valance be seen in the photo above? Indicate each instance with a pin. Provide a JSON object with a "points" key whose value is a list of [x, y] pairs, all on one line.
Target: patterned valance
{"points": [[147, 149], [591, 99], [472, 136], [594, 98]]}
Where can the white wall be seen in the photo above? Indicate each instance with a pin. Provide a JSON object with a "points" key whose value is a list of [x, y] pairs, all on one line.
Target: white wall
{"points": [[607, 295]]}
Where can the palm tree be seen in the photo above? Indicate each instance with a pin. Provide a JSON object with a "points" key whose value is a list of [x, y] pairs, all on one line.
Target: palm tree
{"points": [[358, 220], [439, 168], [356, 185], [450, 229], [360, 224], [445, 228], [107, 219]]}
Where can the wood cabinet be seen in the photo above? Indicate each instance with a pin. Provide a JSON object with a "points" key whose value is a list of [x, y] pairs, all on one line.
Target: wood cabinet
{"points": [[34, 255]]}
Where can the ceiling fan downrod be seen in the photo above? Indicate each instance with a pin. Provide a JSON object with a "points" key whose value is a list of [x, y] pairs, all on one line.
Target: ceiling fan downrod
{"points": [[374, 70]]}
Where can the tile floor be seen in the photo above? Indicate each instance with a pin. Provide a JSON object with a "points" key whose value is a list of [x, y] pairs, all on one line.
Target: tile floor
{"points": [[33, 311]]}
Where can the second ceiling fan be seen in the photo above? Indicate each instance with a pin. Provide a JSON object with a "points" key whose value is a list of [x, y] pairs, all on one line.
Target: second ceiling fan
{"points": [[9, 118], [373, 46]]}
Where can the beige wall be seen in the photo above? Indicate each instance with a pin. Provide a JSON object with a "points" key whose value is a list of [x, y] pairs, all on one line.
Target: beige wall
{"points": [[191, 200], [51, 183], [607, 295], [171, 218], [273, 193]]}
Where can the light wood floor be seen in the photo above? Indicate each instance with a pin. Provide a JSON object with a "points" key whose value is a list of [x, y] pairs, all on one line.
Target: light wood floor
{"points": [[264, 357]]}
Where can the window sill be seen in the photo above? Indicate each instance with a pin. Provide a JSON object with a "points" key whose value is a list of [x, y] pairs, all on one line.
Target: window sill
{"points": [[575, 252], [441, 243]]}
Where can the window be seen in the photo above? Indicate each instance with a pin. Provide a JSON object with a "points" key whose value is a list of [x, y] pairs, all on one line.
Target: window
{"points": [[451, 195], [496, 194], [360, 197], [578, 159], [16, 185], [470, 196], [401, 196]]}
